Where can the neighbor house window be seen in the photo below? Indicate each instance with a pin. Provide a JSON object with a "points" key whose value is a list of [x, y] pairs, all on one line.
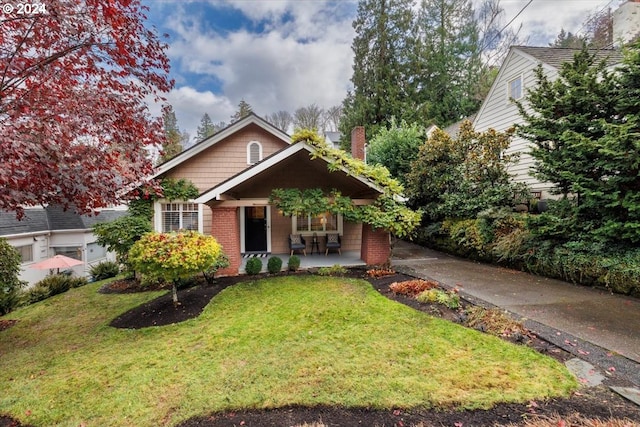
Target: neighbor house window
{"points": [[95, 252], [26, 253], [254, 152], [74, 252], [179, 216], [514, 88], [317, 223]]}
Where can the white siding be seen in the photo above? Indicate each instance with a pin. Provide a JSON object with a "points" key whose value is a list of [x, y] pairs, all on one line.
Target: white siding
{"points": [[499, 113]]}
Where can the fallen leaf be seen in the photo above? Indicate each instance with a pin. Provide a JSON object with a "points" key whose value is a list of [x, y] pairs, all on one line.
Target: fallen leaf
{"points": [[611, 369], [458, 424]]}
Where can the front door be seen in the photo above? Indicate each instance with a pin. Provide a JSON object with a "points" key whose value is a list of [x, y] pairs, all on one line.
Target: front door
{"points": [[255, 229]]}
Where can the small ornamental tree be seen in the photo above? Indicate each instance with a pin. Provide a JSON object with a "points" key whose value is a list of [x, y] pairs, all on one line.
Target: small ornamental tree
{"points": [[175, 256], [10, 284]]}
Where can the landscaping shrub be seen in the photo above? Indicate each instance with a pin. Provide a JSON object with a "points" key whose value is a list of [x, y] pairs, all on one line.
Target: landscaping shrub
{"points": [[412, 287], [294, 263], [10, 284], [52, 285], [274, 265], [493, 321], [254, 266], [334, 270], [376, 273], [174, 257], [449, 299], [104, 270]]}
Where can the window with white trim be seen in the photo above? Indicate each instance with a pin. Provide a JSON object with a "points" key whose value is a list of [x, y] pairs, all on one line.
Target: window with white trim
{"points": [[26, 253], [254, 152], [514, 88], [324, 222], [179, 216]]}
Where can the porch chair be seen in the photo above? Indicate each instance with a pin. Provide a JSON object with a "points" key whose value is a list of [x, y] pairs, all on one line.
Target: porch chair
{"points": [[333, 242], [297, 243]]}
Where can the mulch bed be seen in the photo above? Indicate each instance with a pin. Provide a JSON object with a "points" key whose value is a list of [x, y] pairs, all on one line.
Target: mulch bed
{"points": [[595, 402]]}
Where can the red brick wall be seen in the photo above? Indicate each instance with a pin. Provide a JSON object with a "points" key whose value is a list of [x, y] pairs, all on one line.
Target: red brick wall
{"points": [[358, 142], [225, 227], [375, 248]]}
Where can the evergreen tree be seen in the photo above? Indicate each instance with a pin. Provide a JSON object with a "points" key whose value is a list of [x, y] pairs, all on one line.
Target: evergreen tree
{"points": [[244, 109], [174, 137], [447, 62], [381, 48], [568, 40], [584, 128], [206, 128], [396, 148]]}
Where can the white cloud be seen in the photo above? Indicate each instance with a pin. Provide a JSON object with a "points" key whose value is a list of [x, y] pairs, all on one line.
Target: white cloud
{"points": [[307, 59]]}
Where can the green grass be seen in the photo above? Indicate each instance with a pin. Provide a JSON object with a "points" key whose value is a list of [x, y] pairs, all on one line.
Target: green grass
{"points": [[297, 340]]}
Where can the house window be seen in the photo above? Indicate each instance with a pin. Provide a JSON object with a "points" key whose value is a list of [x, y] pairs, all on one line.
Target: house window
{"points": [[26, 253], [95, 252], [74, 252], [254, 152], [179, 216], [317, 223], [514, 88]]}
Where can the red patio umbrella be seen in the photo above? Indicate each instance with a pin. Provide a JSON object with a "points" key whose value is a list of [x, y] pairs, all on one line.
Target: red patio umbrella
{"points": [[58, 261]]}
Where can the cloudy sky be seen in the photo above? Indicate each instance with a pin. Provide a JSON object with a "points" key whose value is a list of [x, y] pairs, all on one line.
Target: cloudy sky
{"points": [[286, 54]]}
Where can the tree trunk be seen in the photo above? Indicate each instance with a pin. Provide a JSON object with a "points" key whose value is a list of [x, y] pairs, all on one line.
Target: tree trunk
{"points": [[174, 294]]}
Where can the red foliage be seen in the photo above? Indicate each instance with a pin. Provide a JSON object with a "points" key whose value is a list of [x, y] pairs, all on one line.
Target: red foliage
{"points": [[412, 287], [378, 272], [74, 82]]}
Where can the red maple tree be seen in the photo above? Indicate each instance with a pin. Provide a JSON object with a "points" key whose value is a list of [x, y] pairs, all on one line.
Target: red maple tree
{"points": [[75, 79]]}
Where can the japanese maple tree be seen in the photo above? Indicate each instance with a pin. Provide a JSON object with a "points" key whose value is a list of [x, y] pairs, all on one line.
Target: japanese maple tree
{"points": [[75, 79]]}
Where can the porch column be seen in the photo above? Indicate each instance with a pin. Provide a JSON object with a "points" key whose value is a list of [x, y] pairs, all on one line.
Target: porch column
{"points": [[376, 246], [225, 227]]}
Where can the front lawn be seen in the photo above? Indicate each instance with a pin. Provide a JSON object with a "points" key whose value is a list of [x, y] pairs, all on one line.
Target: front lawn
{"points": [[294, 340]]}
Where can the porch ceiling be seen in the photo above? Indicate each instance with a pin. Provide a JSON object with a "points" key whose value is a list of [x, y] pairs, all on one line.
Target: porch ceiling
{"points": [[300, 171]]}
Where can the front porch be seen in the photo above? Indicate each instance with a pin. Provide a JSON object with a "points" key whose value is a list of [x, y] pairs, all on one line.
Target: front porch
{"points": [[346, 259]]}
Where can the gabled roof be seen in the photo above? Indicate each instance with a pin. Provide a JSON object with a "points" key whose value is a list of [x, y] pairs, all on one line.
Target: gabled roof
{"points": [[215, 192], [201, 146], [556, 56], [551, 58], [34, 220]]}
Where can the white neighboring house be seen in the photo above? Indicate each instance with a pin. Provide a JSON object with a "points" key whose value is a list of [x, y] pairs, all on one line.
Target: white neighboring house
{"points": [[45, 232], [516, 76]]}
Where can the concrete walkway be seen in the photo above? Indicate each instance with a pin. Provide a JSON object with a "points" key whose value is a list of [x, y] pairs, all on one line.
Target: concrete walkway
{"points": [[595, 325]]}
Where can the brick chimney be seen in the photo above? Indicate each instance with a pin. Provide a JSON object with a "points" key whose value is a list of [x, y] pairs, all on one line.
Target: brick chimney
{"points": [[358, 143]]}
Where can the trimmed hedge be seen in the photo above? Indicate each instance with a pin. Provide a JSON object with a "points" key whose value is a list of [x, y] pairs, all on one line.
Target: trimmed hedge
{"points": [[506, 240]]}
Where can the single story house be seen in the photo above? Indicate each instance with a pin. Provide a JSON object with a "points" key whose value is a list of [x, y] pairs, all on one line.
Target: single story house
{"points": [[236, 170], [45, 232]]}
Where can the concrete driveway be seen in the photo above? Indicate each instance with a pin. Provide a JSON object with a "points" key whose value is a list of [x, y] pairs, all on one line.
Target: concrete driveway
{"points": [[581, 318]]}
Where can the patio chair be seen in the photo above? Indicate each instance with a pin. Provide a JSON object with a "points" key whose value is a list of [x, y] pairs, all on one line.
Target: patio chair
{"points": [[297, 243], [333, 242]]}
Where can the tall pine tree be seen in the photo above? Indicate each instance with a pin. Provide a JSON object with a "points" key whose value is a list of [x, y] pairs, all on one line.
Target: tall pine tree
{"points": [[206, 128], [447, 64], [381, 50], [244, 109], [174, 137]]}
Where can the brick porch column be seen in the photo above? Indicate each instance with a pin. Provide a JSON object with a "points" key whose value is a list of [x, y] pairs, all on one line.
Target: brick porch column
{"points": [[376, 246], [225, 227]]}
